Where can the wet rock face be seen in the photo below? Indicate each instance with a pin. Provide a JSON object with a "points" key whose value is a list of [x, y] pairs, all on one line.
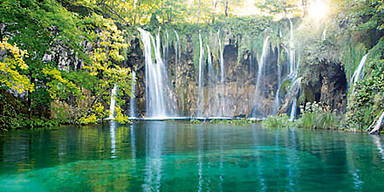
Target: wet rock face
{"points": [[236, 98], [331, 86]]}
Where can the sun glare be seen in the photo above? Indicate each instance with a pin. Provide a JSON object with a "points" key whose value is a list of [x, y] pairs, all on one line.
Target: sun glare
{"points": [[318, 9]]}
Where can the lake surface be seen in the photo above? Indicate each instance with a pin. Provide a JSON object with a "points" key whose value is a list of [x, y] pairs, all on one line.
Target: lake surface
{"points": [[179, 156]]}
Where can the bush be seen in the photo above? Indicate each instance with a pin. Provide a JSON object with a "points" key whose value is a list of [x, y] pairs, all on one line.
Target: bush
{"points": [[366, 102], [318, 116], [280, 121]]}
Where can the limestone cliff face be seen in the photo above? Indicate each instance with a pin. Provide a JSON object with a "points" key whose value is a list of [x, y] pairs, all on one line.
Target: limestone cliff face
{"points": [[326, 84], [234, 97]]}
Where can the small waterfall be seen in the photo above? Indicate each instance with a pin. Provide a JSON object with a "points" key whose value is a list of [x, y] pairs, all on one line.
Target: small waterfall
{"points": [[177, 44], [324, 35], [276, 102], [222, 74], [165, 47], [292, 66], [260, 74], [212, 91], [156, 77], [132, 105], [113, 103], [358, 74], [296, 86], [201, 79], [293, 110]]}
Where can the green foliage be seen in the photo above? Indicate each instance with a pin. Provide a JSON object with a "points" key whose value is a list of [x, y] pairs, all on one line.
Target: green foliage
{"points": [[366, 102], [12, 66], [280, 121], [89, 30], [318, 116], [195, 121]]}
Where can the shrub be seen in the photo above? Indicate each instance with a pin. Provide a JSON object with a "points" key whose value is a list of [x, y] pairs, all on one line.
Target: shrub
{"points": [[280, 121], [318, 116]]}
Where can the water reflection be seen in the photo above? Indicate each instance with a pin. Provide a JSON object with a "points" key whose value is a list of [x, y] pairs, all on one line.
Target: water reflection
{"points": [[155, 132], [178, 156], [379, 145], [200, 157], [133, 141], [112, 131]]}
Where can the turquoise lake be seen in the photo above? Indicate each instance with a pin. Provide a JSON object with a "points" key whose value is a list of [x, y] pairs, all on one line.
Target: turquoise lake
{"points": [[180, 156]]}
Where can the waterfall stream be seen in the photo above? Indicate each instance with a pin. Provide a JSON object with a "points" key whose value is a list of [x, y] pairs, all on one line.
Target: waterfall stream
{"points": [[156, 76], [217, 95], [222, 75], [295, 87], [260, 76], [113, 103], [200, 101], [358, 74], [177, 54]]}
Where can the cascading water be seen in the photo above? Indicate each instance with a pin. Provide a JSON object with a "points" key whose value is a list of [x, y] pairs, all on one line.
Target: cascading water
{"points": [[177, 44], [201, 79], [292, 63], [113, 103], [165, 47], [156, 78], [260, 74], [324, 35], [296, 86], [276, 102], [132, 105], [250, 94], [358, 74], [222, 74], [212, 91]]}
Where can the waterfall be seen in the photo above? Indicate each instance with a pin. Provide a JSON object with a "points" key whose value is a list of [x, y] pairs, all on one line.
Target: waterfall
{"points": [[113, 103], [165, 47], [156, 77], [177, 44], [293, 110], [292, 67], [276, 102], [324, 35], [212, 91], [358, 74], [260, 73], [201, 79], [296, 86], [222, 74], [132, 105]]}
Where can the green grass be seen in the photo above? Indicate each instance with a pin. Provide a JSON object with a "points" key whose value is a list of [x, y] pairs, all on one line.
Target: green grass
{"points": [[280, 121]]}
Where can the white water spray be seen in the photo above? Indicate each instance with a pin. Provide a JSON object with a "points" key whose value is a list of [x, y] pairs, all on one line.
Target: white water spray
{"points": [[113, 103], [156, 78], [201, 79]]}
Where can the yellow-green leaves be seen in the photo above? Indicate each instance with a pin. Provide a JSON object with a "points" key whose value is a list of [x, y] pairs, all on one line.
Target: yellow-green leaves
{"points": [[11, 67], [58, 86]]}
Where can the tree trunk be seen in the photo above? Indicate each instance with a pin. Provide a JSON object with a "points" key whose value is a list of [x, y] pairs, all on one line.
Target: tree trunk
{"points": [[226, 8]]}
